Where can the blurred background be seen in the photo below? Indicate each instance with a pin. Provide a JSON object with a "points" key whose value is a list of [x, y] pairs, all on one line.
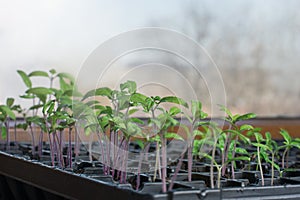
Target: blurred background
{"points": [[254, 43]]}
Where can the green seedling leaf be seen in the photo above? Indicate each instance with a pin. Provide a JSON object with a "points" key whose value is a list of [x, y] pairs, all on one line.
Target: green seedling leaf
{"points": [[8, 111], [23, 126], [129, 85], [136, 120], [276, 166], [64, 86], [226, 110], [174, 111], [295, 144], [245, 158], [258, 137], [38, 73], [49, 106], [67, 76], [16, 108], [138, 98], [25, 78], [99, 109], [196, 107], [140, 143], [241, 150], [286, 136], [42, 97], [246, 116], [173, 99], [3, 132], [105, 91], [36, 106], [203, 123], [92, 102], [52, 71], [156, 122], [263, 146], [27, 96], [268, 136], [39, 91], [246, 127], [175, 136], [198, 133], [72, 92], [10, 102], [132, 111]]}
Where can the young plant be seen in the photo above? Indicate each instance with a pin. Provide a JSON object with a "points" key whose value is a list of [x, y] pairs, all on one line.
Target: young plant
{"points": [[272, 147], [6, 114], [151, 105], [48, 99], [260, 152], [216, 138], [164, 122], [118, 122], [288, 144], [192, 131], [234, 133]]}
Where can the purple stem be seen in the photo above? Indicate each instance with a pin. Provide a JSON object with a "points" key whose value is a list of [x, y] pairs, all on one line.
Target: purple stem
{"points": [[7, 135], [32, 138], [233, 155], [190, 162], [102, 151], [40, 146], [70, 147], [225, 155], [139, 169], [176, 171], [163, 164], [51, 149], [15, 131], [146, 151]]}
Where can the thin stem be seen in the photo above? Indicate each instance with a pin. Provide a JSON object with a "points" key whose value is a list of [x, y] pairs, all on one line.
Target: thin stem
{"points": [[233, 155], [124, 165], [139, 169], [212, 165], [176, 171], [15, 131], [146, 151], [32, 138], [117, 162], [163, 163], [40, 146], [225, 155], [283, 156], [219, 177], [7, 135], [190, 162], [51, 149], [76, 142], [157, 162], [272, 170], [70, 147], [260, 167]]}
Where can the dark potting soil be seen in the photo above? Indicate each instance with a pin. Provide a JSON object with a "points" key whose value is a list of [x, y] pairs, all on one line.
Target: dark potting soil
{"points": [[200, 177]]}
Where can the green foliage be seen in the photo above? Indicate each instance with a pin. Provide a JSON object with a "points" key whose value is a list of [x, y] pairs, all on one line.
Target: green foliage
{"points": [[62, 107], [105, 91], [25, 78], [6, 111], [173, 99], [38, 73]]}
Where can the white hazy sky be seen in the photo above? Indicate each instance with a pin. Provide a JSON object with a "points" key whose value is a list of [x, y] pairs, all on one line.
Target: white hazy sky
{"points": [[44, 34], [38, 34]]}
